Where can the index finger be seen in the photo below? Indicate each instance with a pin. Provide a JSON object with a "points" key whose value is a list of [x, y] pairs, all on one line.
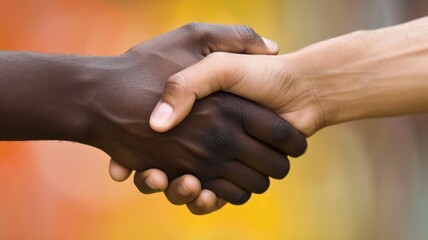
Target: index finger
{"points": [[229, 38]]}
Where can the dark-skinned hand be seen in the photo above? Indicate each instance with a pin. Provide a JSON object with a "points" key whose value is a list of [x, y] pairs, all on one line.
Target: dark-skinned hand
{"points": [[230, 144]]}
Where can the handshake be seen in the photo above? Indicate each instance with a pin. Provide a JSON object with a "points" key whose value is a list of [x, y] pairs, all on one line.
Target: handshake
{"points": [[158, 108], [223, 151]]}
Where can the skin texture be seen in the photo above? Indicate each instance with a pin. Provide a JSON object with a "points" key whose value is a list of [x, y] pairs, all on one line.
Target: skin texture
{"points": [[321, 85], [365, 74], [230, 144]]}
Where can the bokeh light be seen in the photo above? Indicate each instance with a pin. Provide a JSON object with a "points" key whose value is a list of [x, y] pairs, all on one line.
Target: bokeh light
{"points": [[362, 180]]}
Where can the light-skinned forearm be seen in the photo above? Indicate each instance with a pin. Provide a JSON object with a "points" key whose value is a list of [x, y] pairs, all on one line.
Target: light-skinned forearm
{"points": [[367, 74], [364, 74]]}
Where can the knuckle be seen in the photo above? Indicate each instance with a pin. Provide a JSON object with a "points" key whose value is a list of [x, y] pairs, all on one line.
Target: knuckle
{"points": [[247, 33], [176, 83], [197, 31], [280, 131], [223, 139], [231, 107], [193, 27]]}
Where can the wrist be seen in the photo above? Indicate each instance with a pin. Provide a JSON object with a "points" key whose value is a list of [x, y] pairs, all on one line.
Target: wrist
{"points": [[118, 92], [43, 98], [368, 74], [336, 79], [95, 83], [82, 85]]}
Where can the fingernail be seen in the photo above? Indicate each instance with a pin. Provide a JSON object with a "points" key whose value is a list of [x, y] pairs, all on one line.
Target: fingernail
{"points": [[162, 115], [273, 46]]}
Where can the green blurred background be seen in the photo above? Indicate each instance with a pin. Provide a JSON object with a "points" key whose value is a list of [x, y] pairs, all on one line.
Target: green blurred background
{"points": [[361, 180]]}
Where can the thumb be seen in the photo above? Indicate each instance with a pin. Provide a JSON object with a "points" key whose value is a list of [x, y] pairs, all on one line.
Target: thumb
{"points": [[218, 71]]}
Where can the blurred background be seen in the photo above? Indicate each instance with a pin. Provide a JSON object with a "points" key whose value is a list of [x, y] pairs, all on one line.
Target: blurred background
{"points": [[361, 180]]}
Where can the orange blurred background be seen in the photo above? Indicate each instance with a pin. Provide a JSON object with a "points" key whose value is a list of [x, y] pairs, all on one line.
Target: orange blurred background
{"points": [[362, 180]]}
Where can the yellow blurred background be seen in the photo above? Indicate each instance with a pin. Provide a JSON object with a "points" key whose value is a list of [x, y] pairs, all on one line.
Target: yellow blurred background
{"points": [[362, 180]]}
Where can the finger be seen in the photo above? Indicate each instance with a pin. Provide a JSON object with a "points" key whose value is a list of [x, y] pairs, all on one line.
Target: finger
{"points": [[183, 88], [206, 202], [264, 159], [271, 129], [227, 72], [151, 181], [118, 172], [183, 190], [245, 177], [210, 38], [229, 38], [227, 190]]}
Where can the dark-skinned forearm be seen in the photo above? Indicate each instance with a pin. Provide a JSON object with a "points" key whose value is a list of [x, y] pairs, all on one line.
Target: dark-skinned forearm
{"points": [[43, 97]]}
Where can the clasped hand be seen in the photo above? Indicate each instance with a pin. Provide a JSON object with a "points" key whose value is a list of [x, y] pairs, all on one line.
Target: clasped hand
{"points": [[230, 144]]}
